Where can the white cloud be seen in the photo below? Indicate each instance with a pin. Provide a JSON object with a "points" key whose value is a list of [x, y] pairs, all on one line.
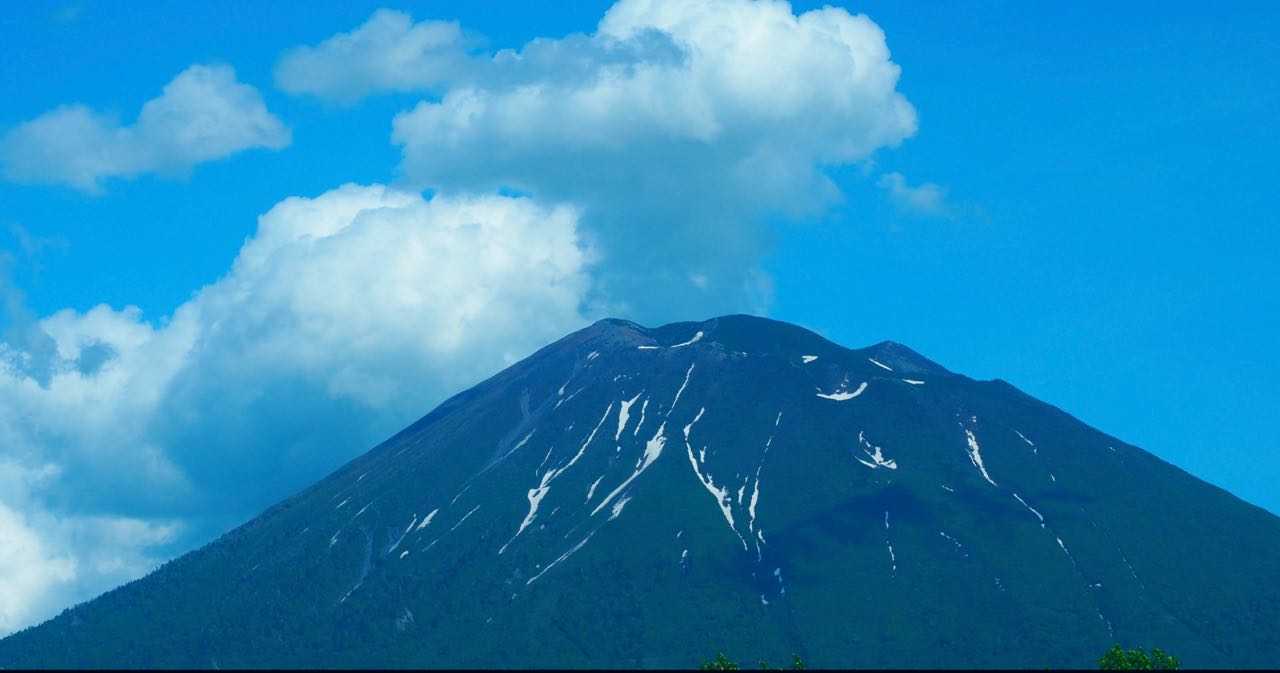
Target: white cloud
{"points": [[345, 317], [39, 572], [203, 114], [28, 572], [389, 52], [926, 199], [677, 127]]}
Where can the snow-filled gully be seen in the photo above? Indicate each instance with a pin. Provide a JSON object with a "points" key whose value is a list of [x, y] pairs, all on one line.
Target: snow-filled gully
{"points": [[721, 493], [539, 492]]}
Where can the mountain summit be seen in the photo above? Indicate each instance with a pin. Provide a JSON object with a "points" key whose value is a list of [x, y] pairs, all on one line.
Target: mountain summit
{"points": [[647, 497]]}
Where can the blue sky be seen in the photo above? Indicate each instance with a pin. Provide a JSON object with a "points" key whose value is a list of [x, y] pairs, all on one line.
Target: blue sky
{"points": [[1079, 199]]}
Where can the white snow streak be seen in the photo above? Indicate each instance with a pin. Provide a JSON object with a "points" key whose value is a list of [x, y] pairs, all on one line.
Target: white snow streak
{"points": [[893, 560], [839, 397], [880, 364], [427, 520], [560, 393], [404, 553], [1033, 510], [540, 465], [625, 413], [723, 500], [959, 547], [806, 359], [522, 442], [1069, 556], [345, 501], [697, 337], [913, 382], [562, 557], [406, 532], [755, 492], [681, 391], [592, 491], [647, 348], [464, 518], [537, 493], [652, 449], [975, 455], [643, 408]]}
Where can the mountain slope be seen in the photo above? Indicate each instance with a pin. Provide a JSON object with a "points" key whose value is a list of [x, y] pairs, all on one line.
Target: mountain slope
{"points": [[645, 497]]}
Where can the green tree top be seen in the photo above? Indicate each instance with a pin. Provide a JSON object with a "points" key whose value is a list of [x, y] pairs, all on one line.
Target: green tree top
{"points": [[1116, 659], [720, 663]]}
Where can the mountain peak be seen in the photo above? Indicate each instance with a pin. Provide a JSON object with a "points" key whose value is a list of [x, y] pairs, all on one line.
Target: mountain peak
{"points": [[903, 359], [640, 497]]}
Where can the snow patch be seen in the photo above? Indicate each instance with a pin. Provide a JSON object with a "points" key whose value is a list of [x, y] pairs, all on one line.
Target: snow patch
{"points": [[427, 520], [617, 506], [975, 455], [841, 396], [877, 456], [592, 491], [624, 414], [913, 382], [696, 338], [880, 364], [806, 359]]}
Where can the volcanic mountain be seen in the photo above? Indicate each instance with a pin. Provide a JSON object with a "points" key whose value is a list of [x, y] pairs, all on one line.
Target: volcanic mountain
{"points": [[632, 497]]}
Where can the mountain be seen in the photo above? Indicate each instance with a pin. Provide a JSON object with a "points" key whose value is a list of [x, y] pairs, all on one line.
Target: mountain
{"points": [[632, 497]]}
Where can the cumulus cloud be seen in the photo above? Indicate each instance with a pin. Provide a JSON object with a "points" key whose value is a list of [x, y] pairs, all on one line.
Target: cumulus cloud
{"points": [[203, 114], [389, 52], [39, 572], [677, 127], [926, 199], [342, 319]]}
